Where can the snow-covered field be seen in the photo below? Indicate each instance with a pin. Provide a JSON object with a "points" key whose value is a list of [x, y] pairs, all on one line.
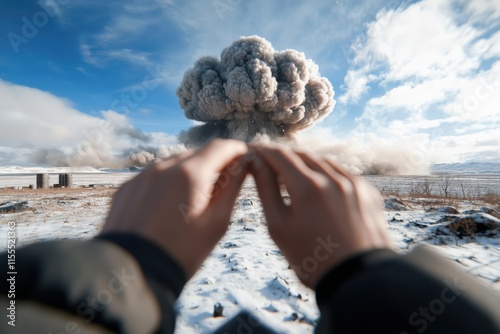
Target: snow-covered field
{"points": [[246, 269]]}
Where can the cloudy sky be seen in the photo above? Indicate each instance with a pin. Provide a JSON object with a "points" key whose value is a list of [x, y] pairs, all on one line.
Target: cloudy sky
{"points": [[75, 73]]}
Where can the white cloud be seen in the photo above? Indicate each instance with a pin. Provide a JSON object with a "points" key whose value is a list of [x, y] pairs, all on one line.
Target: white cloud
{"points": [[479, 146], [430, 67], [38, 126], [414, 97], [203, 28], [32, 117]]}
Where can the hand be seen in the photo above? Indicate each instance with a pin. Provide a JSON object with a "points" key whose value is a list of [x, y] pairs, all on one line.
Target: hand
{"points": [[183, 204], [332, 214]]}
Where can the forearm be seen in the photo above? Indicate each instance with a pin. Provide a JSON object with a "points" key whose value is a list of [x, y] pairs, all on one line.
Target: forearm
{"points": [[381, 291], [119, 282]]}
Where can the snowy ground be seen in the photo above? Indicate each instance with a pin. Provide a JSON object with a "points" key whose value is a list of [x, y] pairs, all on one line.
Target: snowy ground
{"points": [[246, 269]]}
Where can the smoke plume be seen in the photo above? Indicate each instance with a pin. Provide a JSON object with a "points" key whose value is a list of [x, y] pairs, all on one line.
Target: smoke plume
{"points": [[143, 156], [253, 90]]}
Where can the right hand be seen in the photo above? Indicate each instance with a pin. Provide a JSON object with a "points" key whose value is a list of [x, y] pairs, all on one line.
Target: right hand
{"points": [[332, 215]]}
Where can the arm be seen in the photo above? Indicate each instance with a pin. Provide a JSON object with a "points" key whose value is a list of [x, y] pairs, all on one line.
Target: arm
{"points": [[335, 237], [97, 285], [161, 227], [415, 293]]}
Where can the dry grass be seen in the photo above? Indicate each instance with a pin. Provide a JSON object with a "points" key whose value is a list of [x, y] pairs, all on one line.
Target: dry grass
{"points": [[65, 192], [466, 226], [492, 199], [463, 227], [431, 200]]}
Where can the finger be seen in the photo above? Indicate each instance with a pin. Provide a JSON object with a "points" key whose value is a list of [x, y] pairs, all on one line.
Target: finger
{"points": [[226, 190], [269, 192], [337, 168], [215, 156], [316, 163], [288, 166], [319, 165]]}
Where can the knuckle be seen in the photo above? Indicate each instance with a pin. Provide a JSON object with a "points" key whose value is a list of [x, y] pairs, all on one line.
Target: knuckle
{"points": [[314, 185], [345, 186]]}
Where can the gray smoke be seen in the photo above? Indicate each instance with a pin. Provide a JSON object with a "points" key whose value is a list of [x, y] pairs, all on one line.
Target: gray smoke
{"points": [[143, 156], [133, 133], [53, 157], [253, 90], [99, 148]]}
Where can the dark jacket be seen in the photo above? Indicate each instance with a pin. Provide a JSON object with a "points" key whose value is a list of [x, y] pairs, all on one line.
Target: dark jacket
{"points": [[123, 283]]}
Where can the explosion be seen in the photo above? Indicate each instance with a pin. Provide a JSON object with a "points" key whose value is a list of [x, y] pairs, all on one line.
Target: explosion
{"points": [[253, 90]]}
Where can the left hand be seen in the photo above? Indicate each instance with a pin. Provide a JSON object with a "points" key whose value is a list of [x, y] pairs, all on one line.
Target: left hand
{"points": [[183, 204]]}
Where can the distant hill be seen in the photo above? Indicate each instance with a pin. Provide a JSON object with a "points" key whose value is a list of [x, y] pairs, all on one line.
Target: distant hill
{"points": [[467, 168]]}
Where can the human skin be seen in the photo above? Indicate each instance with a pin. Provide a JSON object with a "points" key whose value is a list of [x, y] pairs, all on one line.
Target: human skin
{"points": [[183, 204], [328, 206], [178, 205]]}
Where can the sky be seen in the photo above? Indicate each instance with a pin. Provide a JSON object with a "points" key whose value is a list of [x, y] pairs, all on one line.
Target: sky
{"points": [[74, 73]]}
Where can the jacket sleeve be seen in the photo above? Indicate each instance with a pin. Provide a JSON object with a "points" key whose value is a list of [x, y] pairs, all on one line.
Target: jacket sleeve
{"points": [[383, 292], [114, 283]]}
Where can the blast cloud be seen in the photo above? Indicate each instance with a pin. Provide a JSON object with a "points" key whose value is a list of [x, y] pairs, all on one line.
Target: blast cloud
{"points": [[253, 90], [254, 93]]}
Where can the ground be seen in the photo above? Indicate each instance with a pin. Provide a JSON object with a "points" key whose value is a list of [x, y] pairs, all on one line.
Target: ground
{"points": [[246, 269]]}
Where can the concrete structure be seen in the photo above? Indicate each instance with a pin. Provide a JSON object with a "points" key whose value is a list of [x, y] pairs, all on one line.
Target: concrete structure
{"points": [[66, 180], [42, 181]]}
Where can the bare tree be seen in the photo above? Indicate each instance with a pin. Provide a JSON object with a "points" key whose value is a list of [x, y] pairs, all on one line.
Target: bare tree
{"points": [[464, 189], [444, 183], [426, 187], [421, 188]]}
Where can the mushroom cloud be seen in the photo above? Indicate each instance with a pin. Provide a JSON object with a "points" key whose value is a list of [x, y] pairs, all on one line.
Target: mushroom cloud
{"points": [[253, 90]]}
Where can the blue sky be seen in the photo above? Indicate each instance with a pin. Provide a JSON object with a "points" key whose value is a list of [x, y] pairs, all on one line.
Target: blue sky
{"points": [[424, 73]]}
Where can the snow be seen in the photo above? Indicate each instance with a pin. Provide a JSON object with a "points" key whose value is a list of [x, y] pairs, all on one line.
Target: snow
{"points": [[246, 270]]}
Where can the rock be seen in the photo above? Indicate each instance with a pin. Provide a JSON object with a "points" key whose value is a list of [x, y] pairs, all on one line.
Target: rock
{"points": [[485, 221], [394, 204], [450, 210], [11, 207], [230, 245], [477, 223], [491, 212], [218, 310], [271, 308], [208, 281], [446, 219], [419, 225], [246, 202]]}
